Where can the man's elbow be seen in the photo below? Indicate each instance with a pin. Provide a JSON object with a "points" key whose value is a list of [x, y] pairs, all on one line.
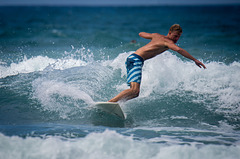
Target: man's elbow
{"points": [[145, 35], [141, 34]]}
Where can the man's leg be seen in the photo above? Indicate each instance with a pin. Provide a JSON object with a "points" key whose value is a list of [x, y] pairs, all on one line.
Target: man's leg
{"points": [[127, 94]]}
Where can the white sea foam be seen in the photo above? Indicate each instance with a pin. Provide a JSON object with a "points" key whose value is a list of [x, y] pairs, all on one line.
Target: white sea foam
{"points": [[107, 144], [167, 73], [38, 63], [52, 96], [66, 90]]}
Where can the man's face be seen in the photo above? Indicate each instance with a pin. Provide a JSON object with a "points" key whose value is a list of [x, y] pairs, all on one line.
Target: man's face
{"points": [[174, 36]]}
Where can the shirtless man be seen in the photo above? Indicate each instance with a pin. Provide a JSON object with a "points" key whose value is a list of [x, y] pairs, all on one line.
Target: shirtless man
{"points": [[157, 45]]}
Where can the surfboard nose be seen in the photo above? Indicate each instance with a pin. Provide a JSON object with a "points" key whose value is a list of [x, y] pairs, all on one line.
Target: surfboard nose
{"points": [[112, 108]]}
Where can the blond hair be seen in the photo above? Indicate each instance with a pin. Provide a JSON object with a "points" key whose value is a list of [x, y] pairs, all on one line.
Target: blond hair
{"points": [[175, 27]]}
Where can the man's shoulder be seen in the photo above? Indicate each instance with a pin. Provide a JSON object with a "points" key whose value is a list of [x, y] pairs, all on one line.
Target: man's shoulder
{"points": [[160, 37], [157, 34]]}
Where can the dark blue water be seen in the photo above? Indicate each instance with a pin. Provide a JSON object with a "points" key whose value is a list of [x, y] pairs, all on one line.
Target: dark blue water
{"points": [[55, 62]]}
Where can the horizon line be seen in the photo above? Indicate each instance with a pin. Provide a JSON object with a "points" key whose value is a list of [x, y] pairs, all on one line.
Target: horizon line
{"points": [[122, 5]]}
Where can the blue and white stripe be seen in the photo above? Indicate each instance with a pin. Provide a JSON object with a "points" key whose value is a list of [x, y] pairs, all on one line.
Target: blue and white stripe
{"points": [[134, 66]]}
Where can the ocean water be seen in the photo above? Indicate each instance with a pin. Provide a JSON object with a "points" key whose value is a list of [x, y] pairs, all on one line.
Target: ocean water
{"points": [[55, 62]]}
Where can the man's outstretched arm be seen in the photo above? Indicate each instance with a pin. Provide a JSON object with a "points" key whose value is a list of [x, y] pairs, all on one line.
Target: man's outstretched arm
{"points": [[186, 54]]}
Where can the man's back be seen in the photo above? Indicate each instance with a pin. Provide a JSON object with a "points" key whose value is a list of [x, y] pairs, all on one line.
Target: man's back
{"points": [[157, 45]]}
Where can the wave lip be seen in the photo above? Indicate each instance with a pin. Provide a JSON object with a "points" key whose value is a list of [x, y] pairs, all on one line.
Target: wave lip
{"points": [[38, 63]]}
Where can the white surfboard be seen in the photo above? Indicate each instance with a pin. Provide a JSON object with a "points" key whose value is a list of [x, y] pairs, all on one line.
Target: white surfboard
{"points": [[111, 107]]}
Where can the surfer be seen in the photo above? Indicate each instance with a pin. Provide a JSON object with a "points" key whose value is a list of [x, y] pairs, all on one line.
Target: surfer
{"points": [[158, 44]]}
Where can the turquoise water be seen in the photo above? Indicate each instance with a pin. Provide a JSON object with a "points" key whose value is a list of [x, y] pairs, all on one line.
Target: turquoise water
{"points": [[57, 61]]}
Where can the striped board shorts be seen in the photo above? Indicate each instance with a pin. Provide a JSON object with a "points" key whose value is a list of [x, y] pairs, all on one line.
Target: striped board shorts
{"points": [[134, 64]]}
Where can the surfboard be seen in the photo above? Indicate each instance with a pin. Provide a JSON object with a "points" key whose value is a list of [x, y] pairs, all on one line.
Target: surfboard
{"points": [[111, 107]]}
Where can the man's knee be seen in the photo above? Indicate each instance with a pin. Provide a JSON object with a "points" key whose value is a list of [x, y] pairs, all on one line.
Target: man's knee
{"points": [[135, 92], [135, 89]]}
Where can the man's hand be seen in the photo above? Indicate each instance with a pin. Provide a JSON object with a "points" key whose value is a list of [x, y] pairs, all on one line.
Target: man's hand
{"points": [[200, 64]]}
